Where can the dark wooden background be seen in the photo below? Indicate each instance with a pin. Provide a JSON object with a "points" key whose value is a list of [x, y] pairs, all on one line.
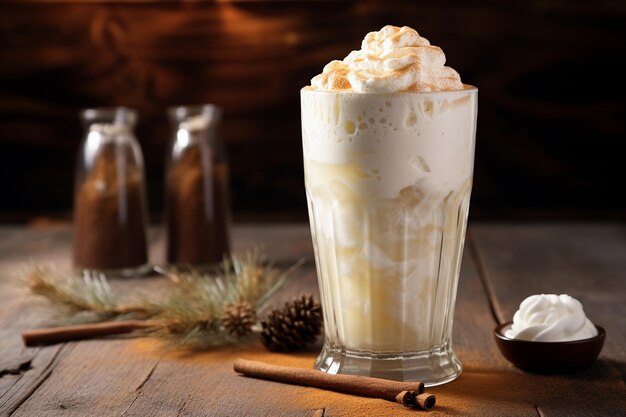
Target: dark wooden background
{"points": [[550, 72]]}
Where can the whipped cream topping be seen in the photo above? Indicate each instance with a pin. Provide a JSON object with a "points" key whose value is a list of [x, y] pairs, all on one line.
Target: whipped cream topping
{"points": [[551, 318], [393, 59]]}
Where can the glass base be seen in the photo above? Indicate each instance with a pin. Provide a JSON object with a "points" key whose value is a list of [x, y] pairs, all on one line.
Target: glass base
{"points": [[432, 367]]}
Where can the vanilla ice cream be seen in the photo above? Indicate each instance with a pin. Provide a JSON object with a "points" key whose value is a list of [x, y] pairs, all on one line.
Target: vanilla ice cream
{"points": [[388, 141], [551, 318]]}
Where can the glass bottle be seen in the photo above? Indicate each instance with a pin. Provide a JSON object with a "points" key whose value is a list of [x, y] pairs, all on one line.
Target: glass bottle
{"points": [[110, 210], [197, 207]]}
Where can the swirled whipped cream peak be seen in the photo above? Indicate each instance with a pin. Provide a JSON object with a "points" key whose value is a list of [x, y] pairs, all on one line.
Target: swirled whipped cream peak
{"points": [[394, 59], [551, 318]]}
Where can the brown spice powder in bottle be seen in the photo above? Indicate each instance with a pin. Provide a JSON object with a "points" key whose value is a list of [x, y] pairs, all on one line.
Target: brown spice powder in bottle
{"points": [[197, 189], [110, 214]]}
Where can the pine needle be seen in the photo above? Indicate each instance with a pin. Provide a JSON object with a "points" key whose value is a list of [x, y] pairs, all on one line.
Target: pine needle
{"points": [[91, 294], [75, 300], [187, 312]]}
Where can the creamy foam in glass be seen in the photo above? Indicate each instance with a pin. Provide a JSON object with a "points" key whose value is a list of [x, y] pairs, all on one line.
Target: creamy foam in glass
{"points": [[388, 139]]}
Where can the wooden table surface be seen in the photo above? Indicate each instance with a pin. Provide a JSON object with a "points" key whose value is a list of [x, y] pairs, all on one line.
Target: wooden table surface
{"points": [[502, 265]]}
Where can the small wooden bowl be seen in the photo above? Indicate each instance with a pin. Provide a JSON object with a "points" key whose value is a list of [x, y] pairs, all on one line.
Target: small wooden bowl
{"points": [[549, 357]]}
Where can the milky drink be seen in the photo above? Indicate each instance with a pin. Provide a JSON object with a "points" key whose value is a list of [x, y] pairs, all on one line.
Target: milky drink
{"points": [[388, 141]]}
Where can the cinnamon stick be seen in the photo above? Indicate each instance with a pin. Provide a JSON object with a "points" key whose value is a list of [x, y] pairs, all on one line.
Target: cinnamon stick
{"points": [[409, 394], [424, 400], [80, 331]]}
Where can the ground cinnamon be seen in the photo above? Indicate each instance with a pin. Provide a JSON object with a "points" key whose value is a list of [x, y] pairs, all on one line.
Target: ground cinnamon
{"points": [[197, 205], [110, 214], [410, 394]]}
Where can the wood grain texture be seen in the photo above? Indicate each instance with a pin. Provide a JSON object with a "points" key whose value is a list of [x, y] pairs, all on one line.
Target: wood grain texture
{"points": [[133, 377], [22, 369], [541, 68]]}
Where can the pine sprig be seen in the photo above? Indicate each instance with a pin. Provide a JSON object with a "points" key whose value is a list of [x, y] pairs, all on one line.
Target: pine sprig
{"points": [[89, 299], [195, 310], [193, 327], [92, 294], [190, 314], [256, 279]]}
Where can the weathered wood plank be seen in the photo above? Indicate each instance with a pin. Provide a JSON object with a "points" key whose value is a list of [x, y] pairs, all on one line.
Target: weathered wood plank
{"points": [[15, 359], [21, 386], [22, 369], [133, 377], [91, 378]]}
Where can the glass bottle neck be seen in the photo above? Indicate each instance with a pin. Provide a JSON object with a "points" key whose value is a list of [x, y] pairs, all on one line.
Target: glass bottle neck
{"points": [[193, 125], [194, 119], [109, 120]]}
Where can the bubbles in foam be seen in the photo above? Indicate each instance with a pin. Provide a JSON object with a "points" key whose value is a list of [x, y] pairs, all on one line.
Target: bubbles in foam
{"points": [[428, 107], [419, 163], [411, 119], [349, 127]]}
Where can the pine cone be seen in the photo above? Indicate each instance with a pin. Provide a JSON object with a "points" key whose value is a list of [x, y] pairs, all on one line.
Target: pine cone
{"points": [[238, 318], [294, 326]]}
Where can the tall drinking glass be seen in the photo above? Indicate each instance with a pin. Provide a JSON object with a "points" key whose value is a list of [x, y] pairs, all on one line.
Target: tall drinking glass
{"points": [[388, 179]]}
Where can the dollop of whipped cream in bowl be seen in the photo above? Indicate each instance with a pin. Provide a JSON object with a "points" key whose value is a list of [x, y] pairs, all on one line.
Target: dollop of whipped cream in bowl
{"points": [[551, 318], [394, 59]]}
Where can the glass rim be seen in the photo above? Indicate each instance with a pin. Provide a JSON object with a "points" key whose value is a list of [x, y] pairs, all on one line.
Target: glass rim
{"points": [[116, 115], [468, 89], [182, 111], [107, 110]]}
